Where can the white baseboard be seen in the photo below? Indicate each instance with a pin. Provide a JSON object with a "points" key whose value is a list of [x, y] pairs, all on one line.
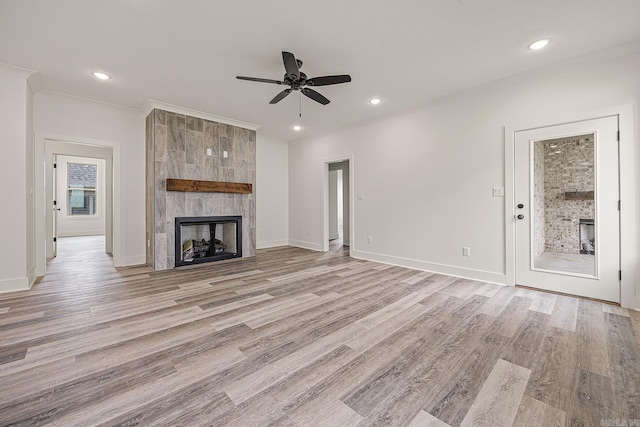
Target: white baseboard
{"points": [[129, 261], [31, 278], [306, 245], [271, 244], [464, 273], [14, 284]]}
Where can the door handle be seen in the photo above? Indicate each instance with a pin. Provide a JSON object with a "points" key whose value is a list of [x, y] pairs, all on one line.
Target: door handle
{"points": [[520, 216]]}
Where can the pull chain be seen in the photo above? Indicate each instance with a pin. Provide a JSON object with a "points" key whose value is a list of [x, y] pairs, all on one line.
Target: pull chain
{"points": [[300, 104]]}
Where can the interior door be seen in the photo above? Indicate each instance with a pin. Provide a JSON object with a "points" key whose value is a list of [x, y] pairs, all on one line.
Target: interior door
{"points": [[567, 208], [55, 207]]}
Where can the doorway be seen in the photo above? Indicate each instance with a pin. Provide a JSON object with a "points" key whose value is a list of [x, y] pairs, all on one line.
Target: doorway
{"points": [[336, 208], [337, 205], [79, 198], [567, 218]]}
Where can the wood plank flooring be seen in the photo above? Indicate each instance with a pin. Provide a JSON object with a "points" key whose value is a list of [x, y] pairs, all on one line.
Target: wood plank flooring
{"points": [[300, 338]]}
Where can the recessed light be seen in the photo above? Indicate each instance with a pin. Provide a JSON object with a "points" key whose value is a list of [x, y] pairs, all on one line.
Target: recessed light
{"points": [[297, 128], [101, 76], [553, 145], [558, 152], [539, 44], [375, 101]]}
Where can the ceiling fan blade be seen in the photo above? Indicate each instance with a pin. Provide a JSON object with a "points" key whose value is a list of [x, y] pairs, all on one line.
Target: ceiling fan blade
{"points": [[314, 95], [291, 65], [279, 97], [256, 79], [329, 80]]}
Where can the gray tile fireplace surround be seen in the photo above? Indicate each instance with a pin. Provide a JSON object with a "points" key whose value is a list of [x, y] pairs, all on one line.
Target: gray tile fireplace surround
{"points": [[176, 147]]}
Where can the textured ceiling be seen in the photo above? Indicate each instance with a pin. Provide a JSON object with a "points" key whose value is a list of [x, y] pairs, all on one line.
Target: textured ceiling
{"points": [[188, 52]]}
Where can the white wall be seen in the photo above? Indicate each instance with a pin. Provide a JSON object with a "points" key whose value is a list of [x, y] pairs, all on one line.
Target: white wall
{"points": [[65, 118], [427, 176], [16, 216], [272, 193], [80, 225]]}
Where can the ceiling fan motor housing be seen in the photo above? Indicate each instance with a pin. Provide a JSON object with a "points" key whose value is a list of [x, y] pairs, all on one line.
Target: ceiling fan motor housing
{"points": [[296, 84]]}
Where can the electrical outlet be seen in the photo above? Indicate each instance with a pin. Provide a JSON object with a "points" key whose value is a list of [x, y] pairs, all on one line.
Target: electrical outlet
{"points": [[360, 196], [209, 151], [370, 239], [225, 154], [466, 251], [309, 232]]}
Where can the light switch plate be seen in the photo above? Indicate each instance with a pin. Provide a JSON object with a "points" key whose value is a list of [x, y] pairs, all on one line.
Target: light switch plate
{"points": [[209, 151], [498, 191], [360, 196]]}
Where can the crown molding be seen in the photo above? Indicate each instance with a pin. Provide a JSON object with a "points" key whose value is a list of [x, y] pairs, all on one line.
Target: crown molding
{"points": [[32, 77], [12, 70], [152, 104], [550, 70]]}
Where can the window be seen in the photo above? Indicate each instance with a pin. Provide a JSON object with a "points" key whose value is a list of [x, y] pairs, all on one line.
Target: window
{"points": [[81, 188]]}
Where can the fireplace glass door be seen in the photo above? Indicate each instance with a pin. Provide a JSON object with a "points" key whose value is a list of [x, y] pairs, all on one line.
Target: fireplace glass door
{"points": [[203, 239]]}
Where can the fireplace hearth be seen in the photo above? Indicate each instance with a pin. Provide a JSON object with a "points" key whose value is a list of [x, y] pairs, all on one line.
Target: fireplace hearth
{"points": [[207, 238]]}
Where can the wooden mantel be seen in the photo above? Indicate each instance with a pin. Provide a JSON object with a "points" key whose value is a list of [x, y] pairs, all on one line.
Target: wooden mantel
{"points": [[196, 186], [578, 195]]}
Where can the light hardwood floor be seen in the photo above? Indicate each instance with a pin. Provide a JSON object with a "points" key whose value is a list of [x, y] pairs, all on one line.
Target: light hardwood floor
{"points": [[300, 338]]}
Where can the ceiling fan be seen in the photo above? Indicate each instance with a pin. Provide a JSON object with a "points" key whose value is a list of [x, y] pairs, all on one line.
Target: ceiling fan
{"points": [[297, 80]]}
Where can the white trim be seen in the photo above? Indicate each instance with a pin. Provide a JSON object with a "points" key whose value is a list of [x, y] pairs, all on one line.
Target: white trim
{"points": [[152, 103], [11, 70], [628, 195], [627, 192], [131, 261], [15, 284], [90, 100], [31, 277], [307, 245], [450, 270], [272, 244], [32, 77]]}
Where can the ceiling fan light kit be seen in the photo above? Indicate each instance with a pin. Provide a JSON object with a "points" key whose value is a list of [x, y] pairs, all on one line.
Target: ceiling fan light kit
{"points": [[298, 81]]}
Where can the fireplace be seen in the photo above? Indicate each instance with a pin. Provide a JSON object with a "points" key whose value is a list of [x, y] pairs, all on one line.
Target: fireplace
{"points": [[207, 238], [587, 234]]}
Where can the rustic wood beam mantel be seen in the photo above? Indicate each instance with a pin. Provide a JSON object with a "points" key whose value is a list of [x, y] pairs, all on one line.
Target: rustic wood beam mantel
{"points": [[196, 186], [578, 195]]}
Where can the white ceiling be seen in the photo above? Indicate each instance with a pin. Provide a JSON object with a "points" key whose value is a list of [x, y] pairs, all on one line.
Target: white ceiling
{"points": [[188, 52]]}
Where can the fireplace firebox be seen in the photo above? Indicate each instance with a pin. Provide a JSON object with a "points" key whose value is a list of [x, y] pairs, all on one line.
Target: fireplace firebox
{"points": [[587, 236], [207, 238]]}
